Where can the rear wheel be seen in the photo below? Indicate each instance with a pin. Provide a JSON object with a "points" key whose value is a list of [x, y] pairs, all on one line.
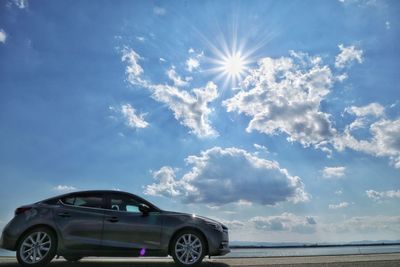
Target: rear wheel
{"points": [[72, 258], [37, 247], [188, 248]]}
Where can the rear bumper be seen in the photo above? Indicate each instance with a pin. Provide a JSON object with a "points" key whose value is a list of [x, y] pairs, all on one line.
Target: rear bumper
{"points": [[7, 242]]}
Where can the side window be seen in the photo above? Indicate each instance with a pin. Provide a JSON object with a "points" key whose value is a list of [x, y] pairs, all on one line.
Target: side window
{"points": [[124, 203], [84, 200]]}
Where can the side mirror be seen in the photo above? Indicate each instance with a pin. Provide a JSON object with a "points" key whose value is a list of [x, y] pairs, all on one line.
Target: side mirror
{"points": [[143, 208]]}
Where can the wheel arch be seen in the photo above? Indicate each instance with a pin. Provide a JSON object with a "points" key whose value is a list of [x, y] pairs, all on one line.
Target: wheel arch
{"points": [[191, 228], [51, 228]]}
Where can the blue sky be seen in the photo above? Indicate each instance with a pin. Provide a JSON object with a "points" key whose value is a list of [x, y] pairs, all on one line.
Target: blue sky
{"points": [[279, 118]]}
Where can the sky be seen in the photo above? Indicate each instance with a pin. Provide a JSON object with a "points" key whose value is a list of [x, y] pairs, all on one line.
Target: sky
{"points": [[281, 119]]}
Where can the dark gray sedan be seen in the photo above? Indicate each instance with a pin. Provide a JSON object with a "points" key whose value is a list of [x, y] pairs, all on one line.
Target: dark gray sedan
{"points": [[109, 223]]}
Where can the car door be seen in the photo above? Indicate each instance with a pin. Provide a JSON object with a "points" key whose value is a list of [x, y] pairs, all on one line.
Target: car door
{"points": [[128, 230], [79, 218]]}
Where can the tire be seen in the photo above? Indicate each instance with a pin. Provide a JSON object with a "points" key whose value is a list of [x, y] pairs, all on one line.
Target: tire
{"points": [[37, 247], [72, 258], [188, 248]]}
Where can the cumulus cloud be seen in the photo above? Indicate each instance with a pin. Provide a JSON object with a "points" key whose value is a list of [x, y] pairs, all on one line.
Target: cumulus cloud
{"points": [[193, 62], [284, 95], [364, 114], [190, 108], [347, 55], [3, 36], [220, 176], [167, 183], [333, 172], [384, 140], [132, 119], [64, 188], [372, 109], [176, 79], [377, 196], [21, 4], [285, 222], [338, 206]]}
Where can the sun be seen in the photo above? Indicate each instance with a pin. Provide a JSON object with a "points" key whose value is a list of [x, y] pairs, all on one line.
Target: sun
{"points": [[234, 65], [231, 65]]}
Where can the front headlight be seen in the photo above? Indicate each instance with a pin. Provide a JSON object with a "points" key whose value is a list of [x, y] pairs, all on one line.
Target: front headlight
{"points": [[215, 226]]}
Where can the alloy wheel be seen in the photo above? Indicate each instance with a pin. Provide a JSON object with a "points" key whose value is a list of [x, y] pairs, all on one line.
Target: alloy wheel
{"points": [[35, 247], [188, 249]]}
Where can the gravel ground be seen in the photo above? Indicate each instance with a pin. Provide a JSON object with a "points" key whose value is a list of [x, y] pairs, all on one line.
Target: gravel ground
{"points": [[383, 260]]}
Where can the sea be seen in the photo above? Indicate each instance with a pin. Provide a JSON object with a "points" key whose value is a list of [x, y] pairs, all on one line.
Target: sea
{"points": [[286, 252]]}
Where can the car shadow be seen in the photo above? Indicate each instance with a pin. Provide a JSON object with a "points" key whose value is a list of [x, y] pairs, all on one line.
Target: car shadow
{"points": [[99, 263]]}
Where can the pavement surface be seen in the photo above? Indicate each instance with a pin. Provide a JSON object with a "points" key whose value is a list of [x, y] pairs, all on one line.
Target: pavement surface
{"points": [[384, 260]]}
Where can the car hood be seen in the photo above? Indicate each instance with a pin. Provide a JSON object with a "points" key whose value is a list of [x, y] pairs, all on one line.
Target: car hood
{"points": [[174, 213]]}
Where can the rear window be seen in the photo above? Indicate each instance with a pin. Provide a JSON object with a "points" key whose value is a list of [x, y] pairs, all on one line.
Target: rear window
{"points": [[85, 200], [51, 201]]}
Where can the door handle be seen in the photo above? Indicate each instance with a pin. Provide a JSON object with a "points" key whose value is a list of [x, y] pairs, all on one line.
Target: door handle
{"points": [[64, 214], [112, 219]]}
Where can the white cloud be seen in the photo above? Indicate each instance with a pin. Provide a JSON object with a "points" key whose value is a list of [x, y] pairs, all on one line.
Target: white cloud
{"points": [[21, 4], [190, 108], [177, 80], [133, 68], [286, 226], [132, 119], [163, 59], [365, 225], [3, 36], [159, 11], [64, 188], [261, 148], [193, 62], [375, 195], [220, 176], [243, 203], [284, 95], [338, 206], [372, 109], [347, 55], [384, 140], [333, 172], [287, 222], [166, 183]]}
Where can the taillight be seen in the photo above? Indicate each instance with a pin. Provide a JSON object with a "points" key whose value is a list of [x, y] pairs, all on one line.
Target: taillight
{"points": [[21, 210]]}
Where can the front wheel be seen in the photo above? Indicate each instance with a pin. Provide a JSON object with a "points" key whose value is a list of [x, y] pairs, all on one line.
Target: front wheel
{"points": [[188, 248], [37, 247]]}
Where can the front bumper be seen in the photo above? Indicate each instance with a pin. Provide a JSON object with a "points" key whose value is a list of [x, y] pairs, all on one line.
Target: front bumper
{"points": [[220, 245]]}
